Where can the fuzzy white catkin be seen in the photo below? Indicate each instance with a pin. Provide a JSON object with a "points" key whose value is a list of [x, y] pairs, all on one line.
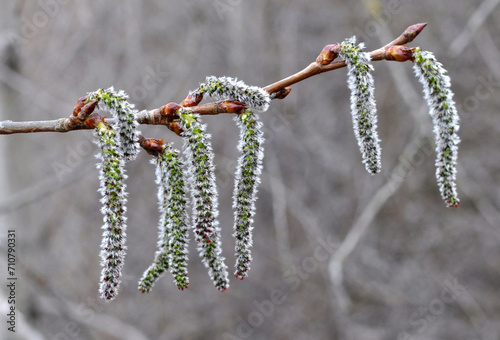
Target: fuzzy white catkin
{"points": [[113, 190], [199, 154], [363, 107], [173, 239], [247, 179], [176, 216], [439, 96]]}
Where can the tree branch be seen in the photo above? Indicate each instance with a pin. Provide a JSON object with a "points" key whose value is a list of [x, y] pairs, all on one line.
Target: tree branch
{"points": [[393, 51]]}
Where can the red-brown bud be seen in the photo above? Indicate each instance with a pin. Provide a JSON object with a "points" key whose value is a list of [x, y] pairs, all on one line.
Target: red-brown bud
{"points": [[171, 109], [328, 54], [399, 53], [192, 101], [175, 127], [282, 93], [92, 121], [230, 107], [151, 145], [80, 103], [411, 32], [87, 110]]}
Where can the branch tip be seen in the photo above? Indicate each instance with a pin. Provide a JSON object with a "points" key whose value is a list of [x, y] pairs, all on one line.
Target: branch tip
{"points": [[192, 100], [87, 110], [80, 103], [412, 31]]}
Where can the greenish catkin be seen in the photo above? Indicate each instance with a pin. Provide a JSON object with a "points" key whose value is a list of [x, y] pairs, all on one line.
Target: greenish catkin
{"points": [[173, 237], [247, 180], [439, 96], [199, 154], [113, 191], [363, 107]]}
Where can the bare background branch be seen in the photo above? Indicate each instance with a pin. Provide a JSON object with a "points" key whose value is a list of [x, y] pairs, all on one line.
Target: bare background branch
{"points": [[315, 190]]}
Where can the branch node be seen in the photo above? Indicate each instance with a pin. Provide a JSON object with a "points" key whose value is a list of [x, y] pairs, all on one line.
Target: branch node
{"points": [[170, 110], [399, 53], [412, 31]]}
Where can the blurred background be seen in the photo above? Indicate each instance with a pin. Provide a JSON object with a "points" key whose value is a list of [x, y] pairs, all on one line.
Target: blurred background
{"points": [[338, 253]]}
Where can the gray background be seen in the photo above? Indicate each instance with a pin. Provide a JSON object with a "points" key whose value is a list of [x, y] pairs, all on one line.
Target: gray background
{"points": [[394, 248]]}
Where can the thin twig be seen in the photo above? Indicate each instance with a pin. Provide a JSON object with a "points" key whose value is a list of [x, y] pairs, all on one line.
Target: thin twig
{"points": [[56, 125], [157, 116], [315, 68]]}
